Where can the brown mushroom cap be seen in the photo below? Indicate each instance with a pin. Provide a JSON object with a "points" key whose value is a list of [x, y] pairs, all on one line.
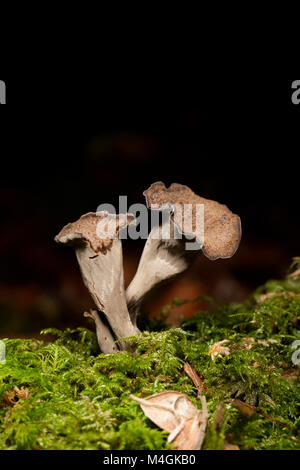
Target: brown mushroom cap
{"points": [[222, 228], [99, 230]]}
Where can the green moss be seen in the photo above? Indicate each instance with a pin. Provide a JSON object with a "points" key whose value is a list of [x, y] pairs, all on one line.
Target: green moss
{"points": [[80, 400]]}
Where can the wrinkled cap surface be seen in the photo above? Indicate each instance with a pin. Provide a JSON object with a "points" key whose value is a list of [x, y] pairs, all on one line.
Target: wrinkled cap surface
{"points": [[99, 230], [222, 228]]}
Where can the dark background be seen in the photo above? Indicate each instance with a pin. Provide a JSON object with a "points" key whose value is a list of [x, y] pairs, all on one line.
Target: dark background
{"points": [[69, 145]]}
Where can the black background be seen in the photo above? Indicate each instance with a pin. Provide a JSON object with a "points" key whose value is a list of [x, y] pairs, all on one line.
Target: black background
{"points": [[69, 144]]}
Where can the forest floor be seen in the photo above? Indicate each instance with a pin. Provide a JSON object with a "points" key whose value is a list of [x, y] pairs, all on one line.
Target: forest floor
{"points": [[65, 395]]}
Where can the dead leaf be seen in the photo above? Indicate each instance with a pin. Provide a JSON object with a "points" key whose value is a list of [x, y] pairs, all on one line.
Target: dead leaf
{"points": [[272, 341], [262, 342], [168, 409], [187, 439], [218, 350], [292, 375], [295, 275], [270, 295], [174, 412], [13, 396], [247, 343]]}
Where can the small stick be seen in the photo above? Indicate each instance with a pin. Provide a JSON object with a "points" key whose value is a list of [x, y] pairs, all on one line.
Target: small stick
{"points": [[202, 429], [240, 404], [195, 378]]}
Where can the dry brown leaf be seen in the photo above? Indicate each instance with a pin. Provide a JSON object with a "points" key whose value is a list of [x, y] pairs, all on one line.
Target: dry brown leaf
{"points": [[272, 341], [292, 375], [263, 342], [295, 275], [247, 343], [174, 412], [13, 396], [270, 295], [188, 437], [218, 350], [168, 409]]}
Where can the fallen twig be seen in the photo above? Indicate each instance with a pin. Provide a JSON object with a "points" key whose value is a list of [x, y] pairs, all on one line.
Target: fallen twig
{"points": [[195, 378], [250, 410]]}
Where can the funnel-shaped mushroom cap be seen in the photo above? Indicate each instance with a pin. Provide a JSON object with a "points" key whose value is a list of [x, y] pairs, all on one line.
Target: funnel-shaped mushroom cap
{"points": [[222, 228], [98, 230]]}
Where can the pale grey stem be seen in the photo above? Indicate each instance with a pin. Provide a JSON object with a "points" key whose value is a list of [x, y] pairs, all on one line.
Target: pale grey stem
{"points": [[202, 429], [162, 260], [105, 339], [103, 276]]}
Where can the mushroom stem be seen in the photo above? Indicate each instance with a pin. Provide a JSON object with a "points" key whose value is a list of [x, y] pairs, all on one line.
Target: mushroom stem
{"points": [[161, 260], [103, 276], [105, 339], [98, 250]]}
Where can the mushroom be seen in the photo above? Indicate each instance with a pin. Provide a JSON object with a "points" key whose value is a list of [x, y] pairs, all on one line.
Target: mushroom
{"points": [[98, 248], [166, 255]]}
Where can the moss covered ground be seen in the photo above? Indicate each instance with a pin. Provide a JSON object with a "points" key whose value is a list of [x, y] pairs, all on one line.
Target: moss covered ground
{"points": [[65, 395]]}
